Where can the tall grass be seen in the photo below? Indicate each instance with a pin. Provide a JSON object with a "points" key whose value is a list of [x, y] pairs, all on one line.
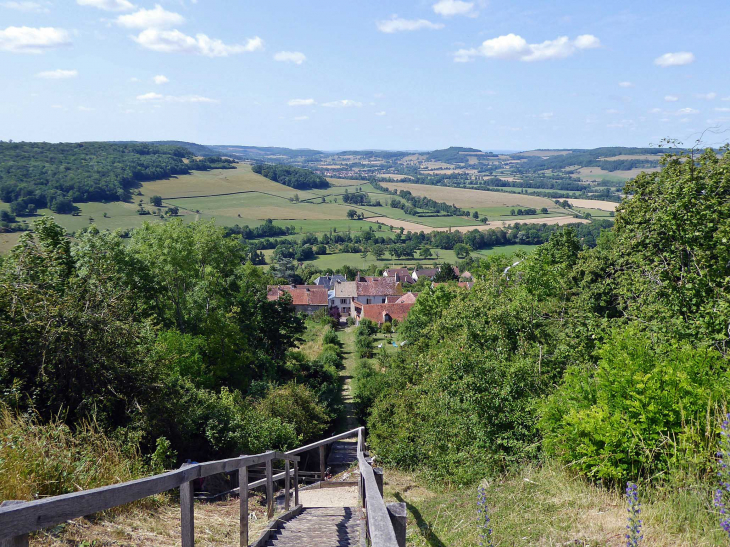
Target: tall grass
{"points": [[47, 459]]}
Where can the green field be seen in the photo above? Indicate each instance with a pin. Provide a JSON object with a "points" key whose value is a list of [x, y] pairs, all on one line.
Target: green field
{"points": [[337, 260]]}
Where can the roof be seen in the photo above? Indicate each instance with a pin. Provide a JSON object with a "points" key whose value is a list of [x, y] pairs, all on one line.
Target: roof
{"points": [[392, 272], [428, 272], [392, 299], [302, 295], [466, 275], [345, 289], [379, 286], [377, 312], [408, 298]]}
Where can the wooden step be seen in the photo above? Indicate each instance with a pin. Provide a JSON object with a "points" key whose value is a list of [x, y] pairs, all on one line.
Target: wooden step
{"points": [[320, 527]]}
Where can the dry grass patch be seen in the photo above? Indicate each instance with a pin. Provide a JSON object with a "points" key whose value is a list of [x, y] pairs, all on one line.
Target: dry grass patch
{"points": [[593, 204], [215, 524], [472, 199], [413, 227], [8, 241]]}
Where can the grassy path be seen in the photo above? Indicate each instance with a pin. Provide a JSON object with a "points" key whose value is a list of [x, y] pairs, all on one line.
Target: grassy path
{"points": [[347, 337]]}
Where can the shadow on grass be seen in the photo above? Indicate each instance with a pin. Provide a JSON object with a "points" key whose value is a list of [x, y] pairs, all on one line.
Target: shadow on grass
{"points": [[425, 528]]}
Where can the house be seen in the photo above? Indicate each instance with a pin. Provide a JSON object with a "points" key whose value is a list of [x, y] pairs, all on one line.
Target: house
{"points": [[327, 281], [427, 272], [385, 313], [467, 276], [408, 298], [305, 298], [363, 291], [402, 275]]}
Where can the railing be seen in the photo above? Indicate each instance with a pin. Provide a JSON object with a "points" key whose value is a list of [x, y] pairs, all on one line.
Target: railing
{"points": [[384, 524]]}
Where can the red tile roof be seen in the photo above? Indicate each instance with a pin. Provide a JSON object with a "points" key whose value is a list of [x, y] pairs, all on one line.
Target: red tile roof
{"points": [[378, 312], [408, 298], [379, 286], [302, 295], [392, 272]]}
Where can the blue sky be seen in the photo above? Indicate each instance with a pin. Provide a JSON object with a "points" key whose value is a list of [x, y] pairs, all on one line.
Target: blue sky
{"points": [[331, 75]]}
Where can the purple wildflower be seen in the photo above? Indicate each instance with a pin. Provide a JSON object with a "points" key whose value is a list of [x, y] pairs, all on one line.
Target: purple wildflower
{"points": [[633, 528], [722, 494], [483, 520]]}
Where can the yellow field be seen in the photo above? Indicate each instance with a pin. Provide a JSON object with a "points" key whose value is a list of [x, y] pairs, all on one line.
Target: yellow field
{"points": [[541, 153], [473, 199], [593, 204], [413, 227], [345, 182], [218, 181], [587, 172]]}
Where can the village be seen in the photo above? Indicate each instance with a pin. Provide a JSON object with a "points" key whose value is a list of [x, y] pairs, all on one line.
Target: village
{"points": [[380, 299]]}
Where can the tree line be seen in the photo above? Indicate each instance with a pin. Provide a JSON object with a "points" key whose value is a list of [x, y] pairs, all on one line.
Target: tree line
{"points": [[294, 177]]}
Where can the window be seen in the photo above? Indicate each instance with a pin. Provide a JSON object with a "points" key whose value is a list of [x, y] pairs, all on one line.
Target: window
{"points": [[369, 301], [343, 300]]}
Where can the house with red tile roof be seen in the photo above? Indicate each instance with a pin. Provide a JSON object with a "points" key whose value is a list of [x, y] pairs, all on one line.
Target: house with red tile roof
{"points": [[402, 275], [305, 298], [365, 290], [384, 313]]}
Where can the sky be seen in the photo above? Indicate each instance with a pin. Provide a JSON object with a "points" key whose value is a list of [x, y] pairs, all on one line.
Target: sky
{"points": [[376, 74]]}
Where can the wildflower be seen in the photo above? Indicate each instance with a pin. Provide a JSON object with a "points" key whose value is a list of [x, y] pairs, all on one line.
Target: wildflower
{"points": [[483, 520], [633, 528]]}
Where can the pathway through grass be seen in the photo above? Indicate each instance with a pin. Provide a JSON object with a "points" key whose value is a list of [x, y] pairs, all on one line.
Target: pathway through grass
{"points": [[347, 337]]}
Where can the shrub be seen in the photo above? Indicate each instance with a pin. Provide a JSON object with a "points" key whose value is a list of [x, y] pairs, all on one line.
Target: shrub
{"points": [[364, 346], [366, 328], [330, 337], [297, 405], [350, 321], [367, 385], [623, 419]]}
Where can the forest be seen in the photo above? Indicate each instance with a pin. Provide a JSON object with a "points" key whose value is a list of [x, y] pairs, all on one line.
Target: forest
{"points": [[294, 177], [36, 175]]}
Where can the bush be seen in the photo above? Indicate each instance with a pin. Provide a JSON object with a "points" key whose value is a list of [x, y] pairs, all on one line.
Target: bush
{"points": [[367, 386], [297, 405], [330, 338], [366, 328], [364, 346], [350, 321], [624, 419]]}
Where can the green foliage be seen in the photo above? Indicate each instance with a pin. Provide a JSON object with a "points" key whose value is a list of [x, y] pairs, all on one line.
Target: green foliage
{"points": [[627, 417], [57, 175], [295, 177], [367, 385], [364, 346], [296, 404]]}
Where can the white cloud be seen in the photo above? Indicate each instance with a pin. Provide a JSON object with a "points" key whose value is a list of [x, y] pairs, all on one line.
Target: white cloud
{"points": [[344, 103], [58, 74], [612, 111], [722, 109], [671, 98], [396, 24], [449, 8], [160, 79], [707, 96], [301, 102], [675, 59], [296, 57], [157, 97], [381, 113], [134, 79], [107, 5], [655, 111], [158, 18], [546, 116], [301, 118], [514, 47], [625, 84], [29, 7], [683, 111], [174, 41], [86, 109], [32, 40]]}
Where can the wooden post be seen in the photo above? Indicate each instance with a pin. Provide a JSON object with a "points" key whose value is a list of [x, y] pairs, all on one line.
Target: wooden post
{"points": [[296, 484], [187, 514], [378, 471], [243, 498], [269, 489], [398, 518], [322, 462], [287, 485], [17, 541]]}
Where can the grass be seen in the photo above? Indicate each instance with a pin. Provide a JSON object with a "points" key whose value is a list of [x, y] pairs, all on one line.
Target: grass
{"points": [[547, 506]]}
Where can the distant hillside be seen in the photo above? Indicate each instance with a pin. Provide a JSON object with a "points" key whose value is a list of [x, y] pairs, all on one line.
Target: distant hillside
{"points": [[616, 158], [35, 175], [294, 177], [455, 154], [196, 149], [264, 152]]}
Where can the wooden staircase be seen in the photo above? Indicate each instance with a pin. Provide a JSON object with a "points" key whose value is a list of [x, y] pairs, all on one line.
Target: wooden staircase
{"points": [[320, 527]]}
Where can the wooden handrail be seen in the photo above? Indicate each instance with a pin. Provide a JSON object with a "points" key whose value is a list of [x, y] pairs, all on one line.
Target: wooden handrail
{"points": [[379, 526], [23, 518]]}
